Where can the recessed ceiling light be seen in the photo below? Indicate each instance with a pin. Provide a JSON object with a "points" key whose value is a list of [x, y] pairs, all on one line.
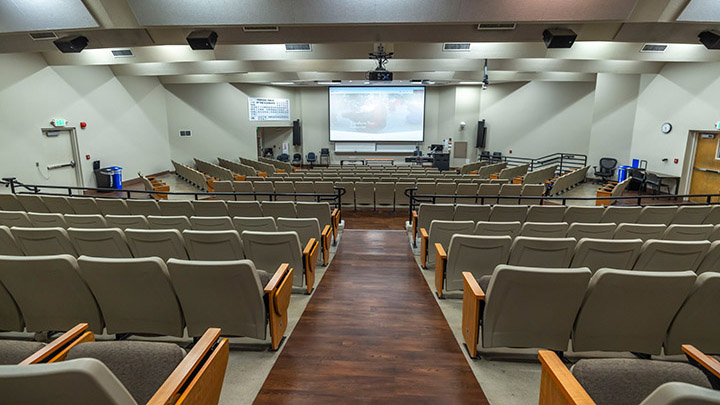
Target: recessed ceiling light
{"points": [[327, 83], [470, 83], [282, 83]]}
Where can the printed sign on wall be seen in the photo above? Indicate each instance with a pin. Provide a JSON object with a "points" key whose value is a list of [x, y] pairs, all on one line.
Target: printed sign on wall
{"points": [[269, 109]]}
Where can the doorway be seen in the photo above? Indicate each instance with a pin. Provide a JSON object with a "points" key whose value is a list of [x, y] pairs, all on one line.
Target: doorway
{"points": [[61, 157], [705, 168]]}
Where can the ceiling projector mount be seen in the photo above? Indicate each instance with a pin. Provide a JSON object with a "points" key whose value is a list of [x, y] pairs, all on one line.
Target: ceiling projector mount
{"points": [[381, 57]]}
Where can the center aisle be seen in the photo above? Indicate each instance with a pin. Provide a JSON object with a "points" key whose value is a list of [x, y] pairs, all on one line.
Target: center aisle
{"points": [[372, 332]]}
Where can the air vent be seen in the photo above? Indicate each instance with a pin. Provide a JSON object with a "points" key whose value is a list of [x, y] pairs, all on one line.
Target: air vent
{"points": [[41, 36], [185, 132], [298, 47], [122, 53], [496, 27], [456, 47], [654, 48], [259, 28]]}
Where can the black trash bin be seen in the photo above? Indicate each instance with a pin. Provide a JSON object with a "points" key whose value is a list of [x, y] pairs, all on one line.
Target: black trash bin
{"points": [[103, 177]]}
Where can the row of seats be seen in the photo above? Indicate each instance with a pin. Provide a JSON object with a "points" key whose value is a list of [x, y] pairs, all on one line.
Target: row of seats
{"points": [[279, 166], [218, 172], [193, 176], [568, 180], [672, 214], [481, 254], [540, 176], [472, 167], [76, 369], [510, 173], [258, 166], [491, 188], [144, 296], [238, 168], [486, 171], [610, 310], [269, 187]]}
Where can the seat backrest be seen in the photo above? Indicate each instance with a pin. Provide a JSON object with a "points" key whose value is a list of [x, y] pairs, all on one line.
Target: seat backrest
{"points": [[135, 295], [696, 321], [47, 220], [277, 209], [57, 203], [579, 230], [15, 218], [50, 292], [544, 229], [545, 213], [127, 221], [93, 221], [471, 212], [305, 228], [43, 241], [511, 229], [225, 186], [532, 190], [112, 206], [657, 215], [621, 215], [84, 205], [489, 190], [317, 210], [76, 381], [714, 216], [8, 245], [204, 286], [510, 190], [10, 318], [32, 203], [625, 310], [688, 232], [109, 242], [508, 213], [667, 255], [613, 253], [429, 212], [143, 207], [691, 215], [607, 164], [532, 307], [442, 231], [258, 224], [223, 223], [174, 208], [9, 202], [542, 252], [163, 243], [210, 208], [640, 231], [268, 250], [711, 260], [243, 187], [476, 254], [213, 245], [180, 223], [583, 214], [244, 209]]}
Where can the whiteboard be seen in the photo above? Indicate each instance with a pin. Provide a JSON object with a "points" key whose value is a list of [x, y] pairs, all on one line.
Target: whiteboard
{"points": [[354, 147], [269, 109]]}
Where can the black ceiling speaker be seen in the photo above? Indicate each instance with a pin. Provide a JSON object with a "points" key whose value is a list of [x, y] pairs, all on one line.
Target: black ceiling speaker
{"points": [[71, 44], [559, 37], [711, 39], [204, 39]]}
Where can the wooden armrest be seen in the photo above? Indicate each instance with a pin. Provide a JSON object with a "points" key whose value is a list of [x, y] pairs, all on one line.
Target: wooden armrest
{"points": [[199, 376], [711, 364], [161, 188], [278, 291], [557, 384], [440, 263], [472, 297], [310, 254], [414, 224], [57, 349], [424, 237], [325, 235], [336, 222]]}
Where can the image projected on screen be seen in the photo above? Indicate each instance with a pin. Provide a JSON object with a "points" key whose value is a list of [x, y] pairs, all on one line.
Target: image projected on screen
{"points": [[377, 113]]}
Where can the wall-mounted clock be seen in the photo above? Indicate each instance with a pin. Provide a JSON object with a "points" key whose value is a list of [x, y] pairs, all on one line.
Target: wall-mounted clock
{"points": [[666, 128]]}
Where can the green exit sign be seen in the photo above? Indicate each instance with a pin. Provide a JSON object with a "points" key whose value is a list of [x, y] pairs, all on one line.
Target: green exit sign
{"points": [[59, 122]]}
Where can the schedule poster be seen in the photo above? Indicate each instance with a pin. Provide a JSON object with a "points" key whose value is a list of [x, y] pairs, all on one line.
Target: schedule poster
{"points": [[269, 109]]}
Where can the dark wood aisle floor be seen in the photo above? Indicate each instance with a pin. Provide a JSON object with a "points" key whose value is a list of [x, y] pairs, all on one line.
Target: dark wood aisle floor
{"points": [[372, 332]]}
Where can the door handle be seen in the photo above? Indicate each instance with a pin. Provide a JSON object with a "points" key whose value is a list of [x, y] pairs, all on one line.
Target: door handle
{"points": [[61, 165]]}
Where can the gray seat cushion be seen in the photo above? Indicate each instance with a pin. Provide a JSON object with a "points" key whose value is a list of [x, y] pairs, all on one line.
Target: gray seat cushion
{"points": [[264, 277], [141, 367], [629, 381], [15, 351], [484, 283]]}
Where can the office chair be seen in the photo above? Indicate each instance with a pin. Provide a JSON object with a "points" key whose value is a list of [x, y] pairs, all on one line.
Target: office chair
{"points": [[325, 153], [655, 183], [637, 179], [311, 158], [283, 157], [497, 157], [268, 153], [607, 168], [484, 155], [297, 159]]}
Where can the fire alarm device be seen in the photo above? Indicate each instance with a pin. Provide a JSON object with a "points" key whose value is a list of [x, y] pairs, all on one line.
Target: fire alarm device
{"points": [[83, 125]]}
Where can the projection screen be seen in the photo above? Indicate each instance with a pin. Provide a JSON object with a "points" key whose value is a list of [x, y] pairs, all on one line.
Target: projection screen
{"points": [[376, 114]]}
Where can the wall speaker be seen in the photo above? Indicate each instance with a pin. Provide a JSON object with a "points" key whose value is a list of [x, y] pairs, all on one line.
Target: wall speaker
{"points": [[481, 132], [71, 44], [203, 39], [559, 37], [711, 39], [297, 133]]}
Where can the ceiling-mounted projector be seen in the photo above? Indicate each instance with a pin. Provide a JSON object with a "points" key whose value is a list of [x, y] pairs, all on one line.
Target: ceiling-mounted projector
{"points": [[380, 74]]}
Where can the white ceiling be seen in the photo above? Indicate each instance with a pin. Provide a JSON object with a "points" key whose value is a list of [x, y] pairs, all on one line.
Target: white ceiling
{"points": [[342, 32]]}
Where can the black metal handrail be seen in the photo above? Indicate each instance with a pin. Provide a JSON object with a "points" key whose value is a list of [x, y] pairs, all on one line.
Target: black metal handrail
{"points": [[334, 199], [565, 161], [416, 199]]}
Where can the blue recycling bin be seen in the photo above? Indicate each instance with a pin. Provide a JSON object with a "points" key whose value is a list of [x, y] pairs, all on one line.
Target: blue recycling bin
{"points": [[116, 179], [622, 172]]}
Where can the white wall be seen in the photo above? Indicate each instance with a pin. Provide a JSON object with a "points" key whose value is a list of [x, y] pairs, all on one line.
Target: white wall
{"points": [[686, 95], [127, 122]]}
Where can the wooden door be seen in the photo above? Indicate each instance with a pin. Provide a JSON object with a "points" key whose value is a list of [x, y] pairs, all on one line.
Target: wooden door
{"points": [[706, 169]]}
